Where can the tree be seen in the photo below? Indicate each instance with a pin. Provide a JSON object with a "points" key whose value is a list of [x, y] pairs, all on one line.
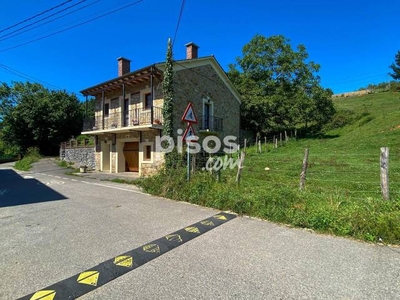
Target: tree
{"points": [[33, 116], [396, 67], [278, 86], [168, 107]]}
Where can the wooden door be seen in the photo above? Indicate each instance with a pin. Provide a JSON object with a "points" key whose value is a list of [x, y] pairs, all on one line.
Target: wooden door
{"points": [[131, 153]]}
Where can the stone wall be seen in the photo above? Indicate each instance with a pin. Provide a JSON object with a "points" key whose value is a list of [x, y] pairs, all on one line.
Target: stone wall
{"points": [[80, 156], [147, 168], [193, 85], [352, 94]]}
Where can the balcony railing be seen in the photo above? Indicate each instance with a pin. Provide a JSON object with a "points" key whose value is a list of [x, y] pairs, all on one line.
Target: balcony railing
{"points": [[211, 123], [135, 117]]}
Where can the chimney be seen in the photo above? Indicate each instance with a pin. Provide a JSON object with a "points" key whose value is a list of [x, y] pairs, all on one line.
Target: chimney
{"points": [[124, 66], [192, 50]]}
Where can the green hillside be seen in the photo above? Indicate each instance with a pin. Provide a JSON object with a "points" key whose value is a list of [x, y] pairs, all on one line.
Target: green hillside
{"points": [[342, 194], [344, 160]]}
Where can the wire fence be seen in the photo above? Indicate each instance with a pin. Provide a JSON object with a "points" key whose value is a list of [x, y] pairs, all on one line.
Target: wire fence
{"points": [[352, 174]]}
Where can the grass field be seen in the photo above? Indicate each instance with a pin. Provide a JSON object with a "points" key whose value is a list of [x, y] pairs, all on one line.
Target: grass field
{"points": [[344, 160], [342, 195]]}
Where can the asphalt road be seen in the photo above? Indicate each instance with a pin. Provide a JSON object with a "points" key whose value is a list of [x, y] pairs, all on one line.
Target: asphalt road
{"points": [[53, 226]]}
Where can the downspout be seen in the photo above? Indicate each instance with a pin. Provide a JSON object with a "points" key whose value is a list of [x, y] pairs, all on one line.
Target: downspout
{"points": [[152, 94]]}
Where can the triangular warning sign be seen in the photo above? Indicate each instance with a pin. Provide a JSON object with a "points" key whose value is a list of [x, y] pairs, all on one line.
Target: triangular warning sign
{"points": [[189, 115], [189, 135]]}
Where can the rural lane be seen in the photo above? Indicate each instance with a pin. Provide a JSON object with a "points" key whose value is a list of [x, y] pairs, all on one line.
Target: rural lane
{"points": [[53, 226]]}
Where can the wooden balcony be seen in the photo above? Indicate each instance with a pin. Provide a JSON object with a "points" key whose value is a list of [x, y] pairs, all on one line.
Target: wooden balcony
{"points": [[136, 119]]}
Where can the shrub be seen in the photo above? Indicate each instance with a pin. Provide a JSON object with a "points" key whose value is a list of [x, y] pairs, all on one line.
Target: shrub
{"points": [[32, 155], [342, 118]]}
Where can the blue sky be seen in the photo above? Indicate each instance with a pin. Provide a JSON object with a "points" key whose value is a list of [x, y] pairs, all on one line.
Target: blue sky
{"points": [[353, 41]]}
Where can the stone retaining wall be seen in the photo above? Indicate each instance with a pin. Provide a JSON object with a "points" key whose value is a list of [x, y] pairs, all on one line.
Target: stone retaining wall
{"points": [[80, 156]]}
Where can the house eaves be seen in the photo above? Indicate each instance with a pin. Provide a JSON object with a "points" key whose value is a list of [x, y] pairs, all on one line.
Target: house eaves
{"points": [[131, 78]]}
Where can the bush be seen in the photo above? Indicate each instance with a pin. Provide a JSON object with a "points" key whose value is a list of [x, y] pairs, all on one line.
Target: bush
{"points": [[342, 118], [63, 164], [32, 155]]}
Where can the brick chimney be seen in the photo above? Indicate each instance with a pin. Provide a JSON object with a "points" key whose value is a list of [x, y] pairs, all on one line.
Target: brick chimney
{"points": [[192, 50], [124, 66]]}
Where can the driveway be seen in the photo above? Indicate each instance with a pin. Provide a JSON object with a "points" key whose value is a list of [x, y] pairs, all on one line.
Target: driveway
{"points": [[54, 227]]}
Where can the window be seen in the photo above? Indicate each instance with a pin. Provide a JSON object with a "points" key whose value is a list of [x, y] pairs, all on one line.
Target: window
{"points": [[114, 103], [208, 115], [135, 98], [147, 152], [106, 109], [148, 100]]}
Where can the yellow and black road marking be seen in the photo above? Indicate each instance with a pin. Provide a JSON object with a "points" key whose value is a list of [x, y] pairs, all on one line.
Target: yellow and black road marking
{"points": [[91, 279]]}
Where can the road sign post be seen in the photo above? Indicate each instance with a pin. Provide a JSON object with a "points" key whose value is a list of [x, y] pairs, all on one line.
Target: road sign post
{"points": [[188, 162], [189, 116]]}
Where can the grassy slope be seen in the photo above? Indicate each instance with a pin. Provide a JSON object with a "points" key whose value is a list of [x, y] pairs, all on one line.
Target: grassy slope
{"points": [[346, 160], [342, 191]]}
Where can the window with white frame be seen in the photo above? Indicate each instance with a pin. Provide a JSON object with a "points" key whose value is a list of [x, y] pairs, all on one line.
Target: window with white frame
{"points": [[147, 150]]}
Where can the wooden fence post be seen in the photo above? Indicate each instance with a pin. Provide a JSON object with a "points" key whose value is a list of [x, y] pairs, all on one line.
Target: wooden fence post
{"points": [[266, 145], [286, 137], [244, 146], [385, 172], [259, 146], [304, 170], [280, 139], [240, 167]]}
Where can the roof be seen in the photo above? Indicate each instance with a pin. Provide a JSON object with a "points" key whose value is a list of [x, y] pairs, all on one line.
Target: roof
{"points": [[156, 69], [131, 78]]}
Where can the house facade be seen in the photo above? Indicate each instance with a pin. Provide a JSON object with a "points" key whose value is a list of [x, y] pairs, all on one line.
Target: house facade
{"points": [[129, 110]]}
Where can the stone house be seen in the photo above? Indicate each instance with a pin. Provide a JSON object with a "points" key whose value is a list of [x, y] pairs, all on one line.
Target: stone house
{"points": [[129, 110]]}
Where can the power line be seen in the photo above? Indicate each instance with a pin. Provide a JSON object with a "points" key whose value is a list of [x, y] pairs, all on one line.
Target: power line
{"points": [[34, 79], [360, 79], [3, 37], [179, 21], [52, 20], [68, 28], [28, 77], [37, 15]]}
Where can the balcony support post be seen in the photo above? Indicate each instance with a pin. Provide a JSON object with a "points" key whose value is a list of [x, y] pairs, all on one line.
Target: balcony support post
{"points": [[103, 108], [86, 106], [152, 83], [152, 95], [122, 106]]}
